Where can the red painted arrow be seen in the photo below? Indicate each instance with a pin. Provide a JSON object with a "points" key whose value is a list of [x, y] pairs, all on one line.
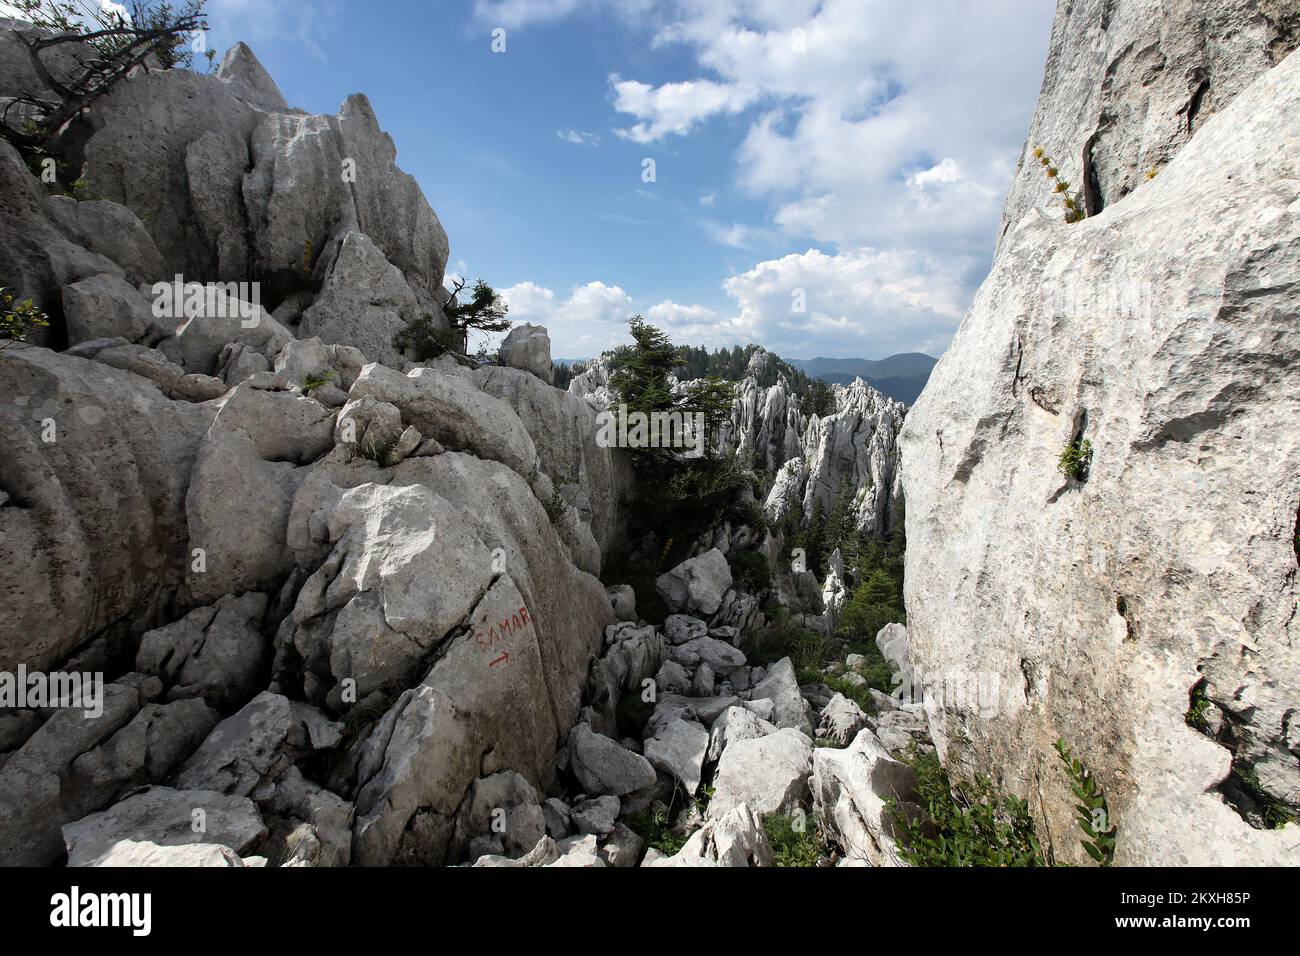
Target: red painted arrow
{"points": [[505, 656]]}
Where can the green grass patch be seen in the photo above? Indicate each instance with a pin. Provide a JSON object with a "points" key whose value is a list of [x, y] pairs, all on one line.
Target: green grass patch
{"points": [[794, 840], [654, 828], [1275, 813]]}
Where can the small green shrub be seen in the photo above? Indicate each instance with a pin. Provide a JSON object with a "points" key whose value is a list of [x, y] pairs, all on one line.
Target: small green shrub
{"points": [[973, 824], [18, 319], [423, 340], [860, 694], [313, 382], [784, 638], [1094, 814], [557, 507], [877, 672], [794, 840], [1199, 705], [1076, 460], [657, 831]]}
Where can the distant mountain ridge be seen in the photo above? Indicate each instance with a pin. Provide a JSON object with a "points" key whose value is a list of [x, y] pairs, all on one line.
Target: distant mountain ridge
{"points": [[901, 377]]}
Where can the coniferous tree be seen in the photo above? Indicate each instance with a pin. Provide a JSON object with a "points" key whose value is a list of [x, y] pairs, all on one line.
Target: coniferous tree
{"points": [[814, 536], [151, 33]]}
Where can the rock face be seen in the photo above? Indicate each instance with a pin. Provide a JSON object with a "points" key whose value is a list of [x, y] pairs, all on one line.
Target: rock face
{"points": [[855, 447], [1162, 331], [768, 774], [765, 426], [1128, 84], [381, 577], [93, 527], [167, 818], [528, 347], [812, 458], [850, 788]]}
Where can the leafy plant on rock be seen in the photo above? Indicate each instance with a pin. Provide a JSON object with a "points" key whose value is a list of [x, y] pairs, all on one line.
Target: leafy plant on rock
{"points": [[1094, 814], [557, 507], [421, 340], [1076, 460], [655, 828], [795, 843], [18, 319], [1074, 207], [1198, 707], [315, 381], [970, 824]]}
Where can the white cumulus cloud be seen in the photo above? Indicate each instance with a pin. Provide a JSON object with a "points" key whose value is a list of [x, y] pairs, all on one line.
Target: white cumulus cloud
{"points": [[674, 108]]}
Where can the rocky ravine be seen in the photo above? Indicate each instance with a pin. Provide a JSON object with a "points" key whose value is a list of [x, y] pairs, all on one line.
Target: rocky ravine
{"points": [[1163, 331], [347, 606]]}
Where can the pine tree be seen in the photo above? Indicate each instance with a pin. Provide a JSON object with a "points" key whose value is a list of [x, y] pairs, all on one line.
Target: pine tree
{"points": [[641, 371], [814, 536], [841, 524]]}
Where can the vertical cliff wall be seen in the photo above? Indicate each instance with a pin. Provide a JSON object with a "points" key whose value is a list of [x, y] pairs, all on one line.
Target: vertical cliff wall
{"points": [[1143, 609]]}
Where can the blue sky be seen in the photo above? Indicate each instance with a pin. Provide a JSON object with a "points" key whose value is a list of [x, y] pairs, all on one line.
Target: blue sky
{"points": [[849, 154]]}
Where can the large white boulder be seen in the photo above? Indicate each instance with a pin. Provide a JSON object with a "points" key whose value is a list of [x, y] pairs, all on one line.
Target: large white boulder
{"points": [[851, 789], [528, 347], [841, 720], [769, 774], [604, 766], [734, 839], [678, 748], [781, 687], [167, 818], [697, 585]]}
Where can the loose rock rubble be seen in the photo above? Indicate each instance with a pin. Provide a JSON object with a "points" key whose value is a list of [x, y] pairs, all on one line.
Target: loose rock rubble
{"points": [[710, 767]]}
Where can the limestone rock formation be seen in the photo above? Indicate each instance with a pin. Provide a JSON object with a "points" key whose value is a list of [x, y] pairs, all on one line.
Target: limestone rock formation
{"points": [[1100, 605], [381, 576], [810, 457], [1128, 84], [697, 584], [528, 347], [857, 445], [850, 789]]}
